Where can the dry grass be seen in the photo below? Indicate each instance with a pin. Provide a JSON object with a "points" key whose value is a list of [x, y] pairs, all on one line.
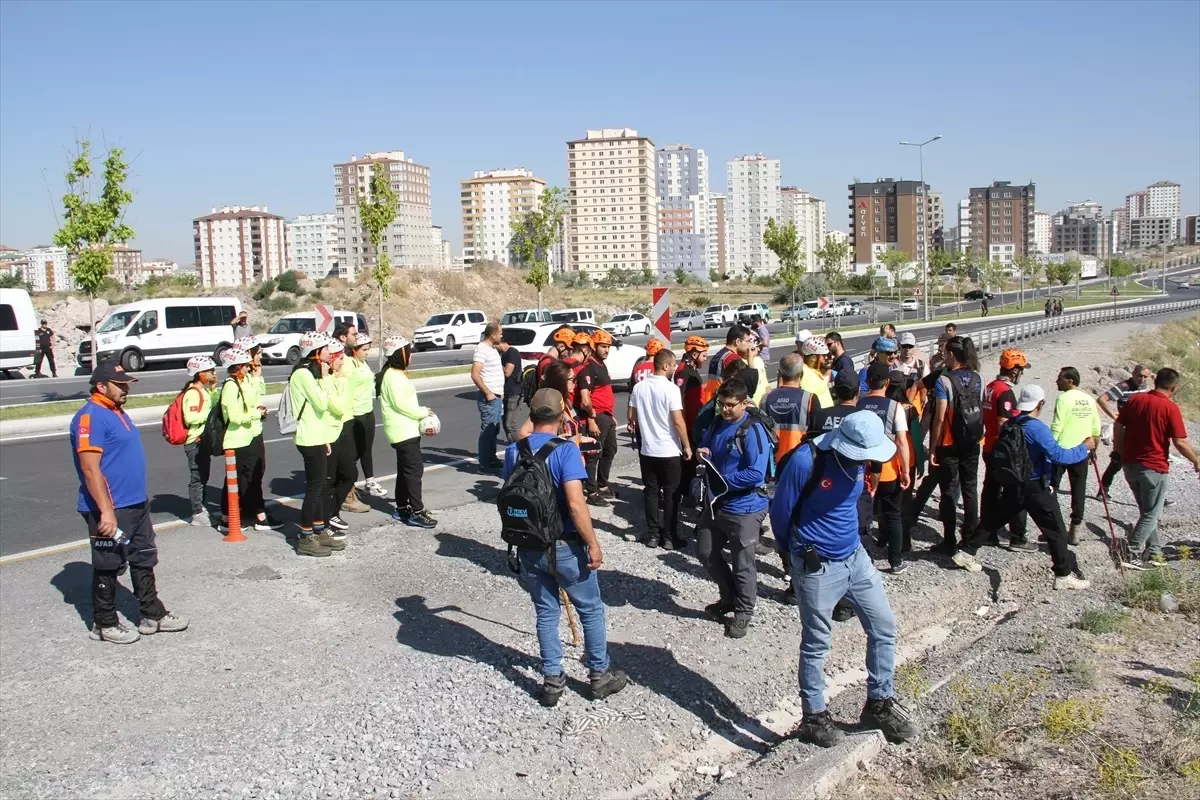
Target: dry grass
{"points": [[1177, 345]]}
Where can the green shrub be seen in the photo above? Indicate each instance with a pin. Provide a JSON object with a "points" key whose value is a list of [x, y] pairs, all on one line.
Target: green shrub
{"points": [[279, 302], [701, 300], [265, 290], [289, 282], [1101, 620]]}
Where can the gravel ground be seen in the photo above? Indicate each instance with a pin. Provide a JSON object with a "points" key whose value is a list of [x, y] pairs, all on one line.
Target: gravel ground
{"points": [[406, 666]]}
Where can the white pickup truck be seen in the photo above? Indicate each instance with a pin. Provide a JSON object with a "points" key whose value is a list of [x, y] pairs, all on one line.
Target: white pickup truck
{"points": [[719, 316]]}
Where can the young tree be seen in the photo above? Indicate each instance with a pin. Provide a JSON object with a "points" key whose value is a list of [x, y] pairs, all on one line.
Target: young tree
{"points": [[1060, 273], [535, 235], [961, 263], [647, 276], [1076, 267], [1024, 266], [991, 277], [91, 227], [784, 242], [1118, 268], [833, 256], [681, 276], [748, 273], [377, 210], [896, 263], [714, 276]]}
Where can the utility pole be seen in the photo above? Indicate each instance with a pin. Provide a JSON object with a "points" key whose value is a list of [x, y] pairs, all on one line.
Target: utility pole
{"points": [[924, 220]]}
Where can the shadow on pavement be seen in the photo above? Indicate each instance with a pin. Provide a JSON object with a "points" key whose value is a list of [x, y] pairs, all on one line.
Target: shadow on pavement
{"points": [[284, 486], [74, 581], [171, 504]]}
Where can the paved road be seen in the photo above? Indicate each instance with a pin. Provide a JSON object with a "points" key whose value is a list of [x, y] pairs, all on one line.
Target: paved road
{"points": [[38, 486]]}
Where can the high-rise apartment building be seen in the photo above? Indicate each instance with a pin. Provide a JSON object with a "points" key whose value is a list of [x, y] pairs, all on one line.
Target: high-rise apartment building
{"points": [[808, 214], [1042, 232], [613, 204], [491, 202], [1135, 204], [681, 175], [718, 235], [239, 245], [887, 215], [1119, 221], [1151, 231], [1189, 229], [752, 185], [410, 241], [1081, 228], [45, 269], [313, 246], [964, 225], [127, 266], [1002, 224], [937, 221], [1163, 200]]}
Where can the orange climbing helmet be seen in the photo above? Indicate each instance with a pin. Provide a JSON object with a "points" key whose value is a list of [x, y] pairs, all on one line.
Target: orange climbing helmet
{"points": [[581, 338], [1012, 359], [564, 336], [695, 344], [653, 346], [601, 336]]}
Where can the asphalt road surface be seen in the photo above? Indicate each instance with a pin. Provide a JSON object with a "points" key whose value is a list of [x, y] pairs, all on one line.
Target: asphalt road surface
{"points": [[38, 485]]}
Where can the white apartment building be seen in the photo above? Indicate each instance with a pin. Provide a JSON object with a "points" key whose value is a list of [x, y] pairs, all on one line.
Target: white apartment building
{"points": [[1163, 200], [491, 202], [613, 205], [313, 246], [752, 185], [964, 225], [1042, 226], [46, 269], [718, 233], [239, 245], [681, 176], [410, 241], [808, 214]]}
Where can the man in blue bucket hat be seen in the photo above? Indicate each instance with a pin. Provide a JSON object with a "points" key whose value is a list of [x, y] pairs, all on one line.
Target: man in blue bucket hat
{"points": [[883, 351], [815, 510]]}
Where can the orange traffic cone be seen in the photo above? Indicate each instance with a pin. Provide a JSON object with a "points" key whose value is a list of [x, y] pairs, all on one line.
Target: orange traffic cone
{"points": [[231, 488]]}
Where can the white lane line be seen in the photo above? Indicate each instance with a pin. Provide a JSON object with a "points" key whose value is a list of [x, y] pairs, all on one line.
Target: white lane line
{"points": [[180, 523]]}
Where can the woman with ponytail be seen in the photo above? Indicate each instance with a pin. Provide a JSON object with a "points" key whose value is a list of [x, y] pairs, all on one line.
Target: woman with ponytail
{"points": [[312, 397], [402, 416]]}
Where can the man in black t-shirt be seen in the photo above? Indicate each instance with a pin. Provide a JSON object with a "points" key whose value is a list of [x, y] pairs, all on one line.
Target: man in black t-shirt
{"points": [[510, 360], [842, 362], [45, 349]]}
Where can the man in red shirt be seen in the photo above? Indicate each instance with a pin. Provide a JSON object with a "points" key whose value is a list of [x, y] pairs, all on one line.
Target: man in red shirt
{"points": [[1148, 424], [595, 406], [1000, 405]]}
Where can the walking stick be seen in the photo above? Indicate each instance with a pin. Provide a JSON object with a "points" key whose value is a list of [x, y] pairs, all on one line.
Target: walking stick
{"points": [[566, 603], [1112, 533]]}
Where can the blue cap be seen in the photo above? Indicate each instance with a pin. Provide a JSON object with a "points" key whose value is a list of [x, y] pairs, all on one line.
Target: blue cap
{"points": [[884, 345]]}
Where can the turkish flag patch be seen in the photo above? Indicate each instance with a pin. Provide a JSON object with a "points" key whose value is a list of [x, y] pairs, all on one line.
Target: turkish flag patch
{"points": [[826, 483]]}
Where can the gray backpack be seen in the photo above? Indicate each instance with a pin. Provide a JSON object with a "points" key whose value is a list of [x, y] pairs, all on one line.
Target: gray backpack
{"points": [[283, 415]]}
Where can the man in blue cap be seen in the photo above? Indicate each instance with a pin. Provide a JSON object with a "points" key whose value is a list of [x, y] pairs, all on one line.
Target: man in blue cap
{"points": [[815, 511], [883, 351]]}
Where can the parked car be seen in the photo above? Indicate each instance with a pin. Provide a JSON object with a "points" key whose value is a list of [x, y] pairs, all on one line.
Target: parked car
{"points": [[451, 330], [978, 294], [282, 342], [625, 324], [814, 309], [525, 315], [839, 308], [797, 312], [719, 316], [533, 340], [18, 321], [856, 307], [687, 319], [163, 329], [747, 310], [570, 315], [911, 304]]}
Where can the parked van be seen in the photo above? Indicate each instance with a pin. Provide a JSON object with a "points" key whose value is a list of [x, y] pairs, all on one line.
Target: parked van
{"points": [[282, 342], [451, 330], [17, 324], [525, 315], [163, 329], [573, 315]]}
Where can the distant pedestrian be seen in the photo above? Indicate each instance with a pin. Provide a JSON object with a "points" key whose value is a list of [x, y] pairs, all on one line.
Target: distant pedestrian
{"points": [[198, 398], [1075, 419], [888, 331], [487, 373], [1148, 425], [361, 387], [402, 418], [983, 307], [656, 410], [240, 325], [1049, 307], [510, 362], [1112, 402], [690, 380], [755, 360], [111, 464], [45, 350]]}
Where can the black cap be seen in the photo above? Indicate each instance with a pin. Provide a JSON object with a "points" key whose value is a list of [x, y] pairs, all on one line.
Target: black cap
{"points": [[108, 372], [847, 378], [898, 378], [876, 371]]}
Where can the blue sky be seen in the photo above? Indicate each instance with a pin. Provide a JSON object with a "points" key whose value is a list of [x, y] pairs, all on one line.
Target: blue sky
{"points": [[245, 103]]}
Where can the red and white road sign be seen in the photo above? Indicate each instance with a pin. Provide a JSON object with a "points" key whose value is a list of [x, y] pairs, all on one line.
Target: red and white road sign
{"points": [[660, 314], [324, 319], [822, 302]]}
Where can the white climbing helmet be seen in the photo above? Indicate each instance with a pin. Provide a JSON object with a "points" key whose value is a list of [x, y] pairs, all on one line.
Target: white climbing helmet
{"points": [[234, 356], [393, 343], [198, 364], [431, 425], [312, 342], [248, 343]]}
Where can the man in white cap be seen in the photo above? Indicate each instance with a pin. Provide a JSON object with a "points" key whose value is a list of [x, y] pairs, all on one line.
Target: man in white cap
{"points": [[911, 362], [802, 336], [815, 514], [813, 351], [1033, 494]]}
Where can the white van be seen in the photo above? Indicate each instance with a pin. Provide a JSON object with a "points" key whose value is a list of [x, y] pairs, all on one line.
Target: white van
{"points": [[451, 330], [525, 315], [282, 342], [163, 329], [573, 315], [17, 324]]}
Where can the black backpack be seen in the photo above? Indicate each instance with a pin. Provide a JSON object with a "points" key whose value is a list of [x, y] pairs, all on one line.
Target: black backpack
{"points": [[967, 423], [529, 384], [1010, 464], [529, 515], [213, 438]]}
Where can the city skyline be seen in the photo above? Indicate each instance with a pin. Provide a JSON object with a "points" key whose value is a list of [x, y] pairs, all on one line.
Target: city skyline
{"points": [[232, 150]]}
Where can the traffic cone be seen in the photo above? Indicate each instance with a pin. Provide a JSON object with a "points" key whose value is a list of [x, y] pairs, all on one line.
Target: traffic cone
{"points": [[231, 488]]}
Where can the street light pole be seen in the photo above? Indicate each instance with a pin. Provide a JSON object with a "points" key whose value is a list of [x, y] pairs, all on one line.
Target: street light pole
{"points": [[924, 221]]}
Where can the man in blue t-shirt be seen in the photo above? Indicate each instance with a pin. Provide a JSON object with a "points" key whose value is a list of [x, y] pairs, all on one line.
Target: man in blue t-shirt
{"points": [[577, 558], [736, 469], [816, 513], [111, 465]]}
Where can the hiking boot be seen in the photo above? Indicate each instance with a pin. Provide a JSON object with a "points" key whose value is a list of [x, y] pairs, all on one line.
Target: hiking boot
{"points": [[1022, 546], [718, 610], [597, 500], [738, 627], [420, 519], [843, 611], [374, 489], [608, 683], [966, 561], [116, 634], [355, 506], [652, 541], [1073, 534], [338, 524], [170, 623], [402, 515], [267, 523], [889, 717], [819, 729], [552, 689], [607, 491], [899, 569], [309, 545], [1072, 581], [329, 541]]}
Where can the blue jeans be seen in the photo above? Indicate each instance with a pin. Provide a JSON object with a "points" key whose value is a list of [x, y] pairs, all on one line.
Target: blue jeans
{"points": [[583, 588], [817, 592], [491, 413]]}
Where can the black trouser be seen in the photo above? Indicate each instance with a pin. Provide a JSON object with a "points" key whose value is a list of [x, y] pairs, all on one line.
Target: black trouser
{"points": [[38, 355], [251, 465], [512, 414], [109, 559], [313, 513], [341, 472], [599, 466], [958, 470], [410, 467], [364, 439], [920, 498], [199, 468], [687, 474], [1042, 507], [1077, 475], [1111, 471], [989, 500], [660, 497], [888, 500]]}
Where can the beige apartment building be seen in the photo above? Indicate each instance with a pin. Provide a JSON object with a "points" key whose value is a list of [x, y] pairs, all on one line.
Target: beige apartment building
{"points": [[491, 202], [613, 209], [239, 245]]}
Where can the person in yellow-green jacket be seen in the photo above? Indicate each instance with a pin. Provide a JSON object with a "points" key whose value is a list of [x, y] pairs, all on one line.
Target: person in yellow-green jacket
{"points": [[1075, 419], [403, 418], [341, 472], [197, 405], [362, 407], [243, 411], [311, 397]]}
